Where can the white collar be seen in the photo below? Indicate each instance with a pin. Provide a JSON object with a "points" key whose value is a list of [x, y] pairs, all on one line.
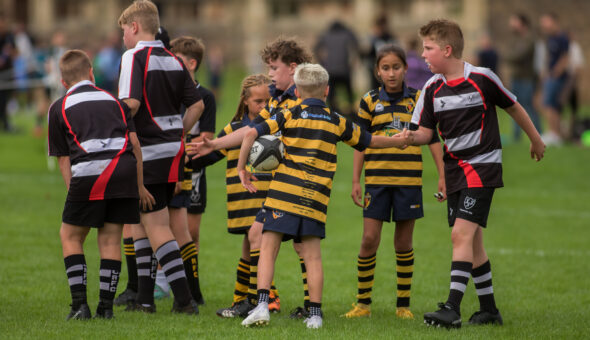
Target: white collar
{"points": [[151, 43], [80, 83]]}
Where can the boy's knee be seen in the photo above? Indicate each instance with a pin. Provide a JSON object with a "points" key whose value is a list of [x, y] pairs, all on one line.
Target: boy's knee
{"points": [[370, 241]]}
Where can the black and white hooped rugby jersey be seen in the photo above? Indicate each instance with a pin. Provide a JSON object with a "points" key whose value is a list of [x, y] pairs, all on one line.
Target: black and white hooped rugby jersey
{"points": [[92, 127], [159, 80], [464, 110]]}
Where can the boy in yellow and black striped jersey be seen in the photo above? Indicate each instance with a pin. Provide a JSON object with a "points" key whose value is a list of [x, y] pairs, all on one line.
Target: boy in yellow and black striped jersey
{"points": [[243, 208], [299, 193], [393, 179], [282, 57]]}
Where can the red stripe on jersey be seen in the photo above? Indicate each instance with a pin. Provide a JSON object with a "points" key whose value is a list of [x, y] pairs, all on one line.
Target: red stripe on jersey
{"points": [[485, 107], [63, 113], [99, 187], [173, 174], [493, 81], [145, 98], [473, 179]]}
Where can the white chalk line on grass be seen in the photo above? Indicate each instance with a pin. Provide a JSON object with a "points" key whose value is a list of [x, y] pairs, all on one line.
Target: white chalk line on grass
{"points": [[539, 252]]}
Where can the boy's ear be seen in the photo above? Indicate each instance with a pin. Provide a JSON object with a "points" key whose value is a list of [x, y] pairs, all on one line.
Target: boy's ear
{"points": [[63, 82], [447, 51], [193, 63], [297, 94], [91, 75], [134, 27], [327, 91], [292, 67]]}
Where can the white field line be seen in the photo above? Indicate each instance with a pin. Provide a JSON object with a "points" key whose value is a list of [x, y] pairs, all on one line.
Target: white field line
{"points": [[539, 252]]}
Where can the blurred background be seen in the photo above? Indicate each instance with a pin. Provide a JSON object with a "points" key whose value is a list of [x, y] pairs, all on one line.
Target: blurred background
{"points": [[343, 34]]}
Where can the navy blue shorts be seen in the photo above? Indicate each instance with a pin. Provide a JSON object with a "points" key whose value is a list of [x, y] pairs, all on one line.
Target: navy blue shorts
{"points": [[181, 200], [393, 203], [292, 226], [552, 91], [260, 215], [472, 204]]}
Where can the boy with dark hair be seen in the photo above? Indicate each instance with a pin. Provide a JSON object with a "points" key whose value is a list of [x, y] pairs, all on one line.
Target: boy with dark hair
{"points": [[299, 193], [154, 83], [93, 137], [460, 101]]}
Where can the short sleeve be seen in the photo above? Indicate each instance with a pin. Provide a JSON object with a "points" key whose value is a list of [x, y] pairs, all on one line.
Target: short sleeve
{"points": [[190, 93], [424, 111], [56, 134], [363, 116], [128, 117], [207, 120], [274, 124], [496, 90], [263, 115], [130, 77]]}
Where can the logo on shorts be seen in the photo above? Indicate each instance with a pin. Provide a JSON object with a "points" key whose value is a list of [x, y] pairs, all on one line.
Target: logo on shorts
{"points": [[277, 214], [367, 200], [451, 211], [379, 107], [469, 202]]}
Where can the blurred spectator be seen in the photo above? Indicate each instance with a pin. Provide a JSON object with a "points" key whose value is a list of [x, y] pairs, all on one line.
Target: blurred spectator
{"points": [[557, 44], [418, 72], [521, 57], [335, 50], [215, 63], [106, 63], [570, 98], [487, 55], [381, 36], [7, 50], [53, 76]]}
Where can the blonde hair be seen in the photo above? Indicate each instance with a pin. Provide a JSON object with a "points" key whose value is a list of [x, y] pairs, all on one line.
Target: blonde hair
{"points": [[74, 66], [190, 47], [143, 12], [247, 84], [311, 80], [444, 32]]}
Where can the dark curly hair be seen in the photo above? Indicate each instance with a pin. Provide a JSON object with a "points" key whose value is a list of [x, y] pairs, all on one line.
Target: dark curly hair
{"points": [[288, 50]]}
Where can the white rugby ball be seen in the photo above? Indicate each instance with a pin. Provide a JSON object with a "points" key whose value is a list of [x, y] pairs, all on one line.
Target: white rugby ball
{"points": [[266, 153]]}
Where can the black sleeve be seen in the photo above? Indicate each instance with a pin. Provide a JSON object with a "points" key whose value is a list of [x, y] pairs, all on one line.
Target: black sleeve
{"points": [[212, 158], [56, 134], [128, 117], [191, 95]]}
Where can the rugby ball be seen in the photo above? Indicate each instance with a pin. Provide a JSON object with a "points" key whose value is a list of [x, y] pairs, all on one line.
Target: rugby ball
{"points": [[266, 153]]}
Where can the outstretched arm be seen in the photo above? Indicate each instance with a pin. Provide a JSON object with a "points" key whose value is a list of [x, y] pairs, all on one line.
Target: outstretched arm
{"points": [[400, 140], [421, 136], [518, 113], [207, 146]]}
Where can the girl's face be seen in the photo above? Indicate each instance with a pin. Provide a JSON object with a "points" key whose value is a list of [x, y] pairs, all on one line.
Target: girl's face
{"points": [[392, 71], [257, 99]]}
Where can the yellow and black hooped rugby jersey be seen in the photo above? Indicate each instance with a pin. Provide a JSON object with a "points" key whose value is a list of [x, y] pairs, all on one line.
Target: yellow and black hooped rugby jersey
{"points": [[279, 100], [242, 206], [382, 115], [302, 183]]}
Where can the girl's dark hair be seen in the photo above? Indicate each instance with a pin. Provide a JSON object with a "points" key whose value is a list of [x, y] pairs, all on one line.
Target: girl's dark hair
{"points": [[385, 50], [247, 83]]}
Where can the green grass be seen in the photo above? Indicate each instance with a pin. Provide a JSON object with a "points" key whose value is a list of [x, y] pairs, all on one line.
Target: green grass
{"points": [[537, 241]]}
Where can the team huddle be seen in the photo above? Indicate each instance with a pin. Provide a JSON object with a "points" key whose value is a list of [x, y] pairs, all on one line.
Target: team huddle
{"points": [[134, 169]]}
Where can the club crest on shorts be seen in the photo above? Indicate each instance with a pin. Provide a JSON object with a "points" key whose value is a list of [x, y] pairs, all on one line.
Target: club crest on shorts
{"points": [[367, 200], [469, 202], [277, 214]]}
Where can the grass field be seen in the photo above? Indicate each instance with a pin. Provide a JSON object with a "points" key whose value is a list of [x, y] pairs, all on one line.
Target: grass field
{"points": [[538, 241]]}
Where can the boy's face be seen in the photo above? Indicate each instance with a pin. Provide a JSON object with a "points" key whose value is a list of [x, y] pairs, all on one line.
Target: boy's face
{"points": [[189, 63], [434, 55], [281, 74], [129, 35]]}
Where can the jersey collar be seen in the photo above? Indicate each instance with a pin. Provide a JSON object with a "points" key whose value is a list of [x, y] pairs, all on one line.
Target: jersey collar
{"points": [[279, 95], [80, 83], [152, 43], [385, 97], [314, 102]]}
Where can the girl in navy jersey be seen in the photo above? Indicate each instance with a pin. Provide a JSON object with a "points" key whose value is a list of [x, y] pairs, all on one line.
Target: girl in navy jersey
{"points": [[393, 179]]}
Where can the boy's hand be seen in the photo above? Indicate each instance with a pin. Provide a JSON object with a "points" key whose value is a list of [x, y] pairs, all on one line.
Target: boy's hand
{"points": [[146, 199], [404, 136], [537, 150], [245, 178], [357, 194], [442, 188], [196, 150], [177, 188]]}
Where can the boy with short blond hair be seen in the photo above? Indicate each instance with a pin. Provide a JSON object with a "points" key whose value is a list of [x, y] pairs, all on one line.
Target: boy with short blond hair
{"points": [[154, 83], [460, 101], [93, 137], [298, 196]]}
